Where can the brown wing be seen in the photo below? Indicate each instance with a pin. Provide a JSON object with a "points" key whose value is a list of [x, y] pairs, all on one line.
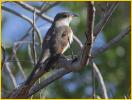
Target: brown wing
{"points": [[59, 40], [55, 42], [46, 45]]}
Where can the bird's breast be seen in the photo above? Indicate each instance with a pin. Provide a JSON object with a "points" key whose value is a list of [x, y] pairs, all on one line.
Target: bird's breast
{"points": [[70, 37]]}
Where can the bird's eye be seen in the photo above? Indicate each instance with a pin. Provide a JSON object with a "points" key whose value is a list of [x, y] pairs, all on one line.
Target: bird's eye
{"points": [[65, 15]]}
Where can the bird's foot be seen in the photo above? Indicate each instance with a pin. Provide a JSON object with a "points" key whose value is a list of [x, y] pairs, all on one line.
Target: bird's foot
{"points": [[74, 59], [61, 56]]}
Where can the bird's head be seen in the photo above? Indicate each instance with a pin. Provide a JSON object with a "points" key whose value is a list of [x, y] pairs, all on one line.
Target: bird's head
{"points": [[64, 18]]}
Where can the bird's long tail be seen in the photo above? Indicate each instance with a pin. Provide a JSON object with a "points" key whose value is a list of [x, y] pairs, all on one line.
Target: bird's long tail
{"points": [[49, 63]]}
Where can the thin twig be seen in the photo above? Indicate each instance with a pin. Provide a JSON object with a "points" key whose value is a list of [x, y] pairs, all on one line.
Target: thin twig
{"points": [[22, 60], [44, 9], [79, 43], [33, 39], [43, 16], [23, 42], [100, 80], [19, 64], [7, 65], [23, 17], [113, 41], [93, 84], [17, 14], [100, 25], [30, 8], [40, 92], [38, 33], [27, 33], [29, 53], [3, 57], [17, 59]]}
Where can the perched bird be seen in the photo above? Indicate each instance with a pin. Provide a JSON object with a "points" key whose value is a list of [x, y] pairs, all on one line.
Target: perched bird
{"points": [[57, 39]]}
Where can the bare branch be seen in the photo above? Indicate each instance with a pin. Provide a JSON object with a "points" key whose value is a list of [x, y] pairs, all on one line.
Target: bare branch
{"points": [[56, 75], [29, 53], [7, 65], [17, 59], [43, 16], [89, 42], [72, 66], [30, 8], [112, 42], [33, 39], [20, 66], [61, 72], [3, 57], [50, 6], [23, 42], [100, 25], [79, 43], [14, 47], [100, 80], [38, 34], [18, 63], [17, 14], [23, 17], [40, 38], [93, 82], [66, 63], [81, 47]]}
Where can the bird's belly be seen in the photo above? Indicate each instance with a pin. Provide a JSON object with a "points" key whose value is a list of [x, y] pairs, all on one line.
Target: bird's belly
{"points": [[68, 44]]}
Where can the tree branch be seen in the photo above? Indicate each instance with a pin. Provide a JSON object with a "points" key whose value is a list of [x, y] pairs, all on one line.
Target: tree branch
{"points": [[33, 39], [11, 75], [43, 16], [23, 17], [50, 6], [56, 75], [72, 66], [30, 8], [19, 65], [29, 53], [27, 34], [100, 80], [100, 25], [3, 57], [17, 14], [112, 42], [61, 72]]}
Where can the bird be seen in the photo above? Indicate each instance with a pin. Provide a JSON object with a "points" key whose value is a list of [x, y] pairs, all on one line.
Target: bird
{"points": [[57, 40]]}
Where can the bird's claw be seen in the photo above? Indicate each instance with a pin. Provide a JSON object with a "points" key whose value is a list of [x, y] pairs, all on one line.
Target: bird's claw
{"points": [[74, 59], [61, 55]]}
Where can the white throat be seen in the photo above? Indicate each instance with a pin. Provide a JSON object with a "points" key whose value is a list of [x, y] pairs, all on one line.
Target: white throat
{"points": [[63, 22]]}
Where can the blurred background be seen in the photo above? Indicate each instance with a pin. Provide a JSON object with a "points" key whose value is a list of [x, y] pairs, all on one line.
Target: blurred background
{"points": [[114, 64]]}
